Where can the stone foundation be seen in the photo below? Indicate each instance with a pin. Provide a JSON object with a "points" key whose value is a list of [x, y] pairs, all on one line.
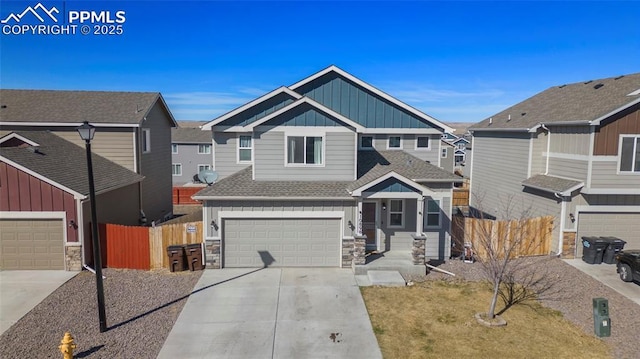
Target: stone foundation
{"points": [[212, 254], [568, 245], [347, 252], [73, 256], [418, 250]]}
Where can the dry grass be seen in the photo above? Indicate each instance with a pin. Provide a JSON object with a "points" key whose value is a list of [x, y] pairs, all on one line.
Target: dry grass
{"points": [[435, 319]]}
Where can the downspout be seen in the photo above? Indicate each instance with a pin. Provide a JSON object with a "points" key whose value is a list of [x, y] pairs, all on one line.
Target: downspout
{"points": [[563, 212], [80, 233]]}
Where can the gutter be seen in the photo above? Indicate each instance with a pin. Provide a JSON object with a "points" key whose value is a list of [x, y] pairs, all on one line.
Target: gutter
{"points": [[244, 198]]}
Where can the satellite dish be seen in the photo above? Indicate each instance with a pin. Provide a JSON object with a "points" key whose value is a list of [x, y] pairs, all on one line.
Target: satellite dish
{"points": [[208, 176]]}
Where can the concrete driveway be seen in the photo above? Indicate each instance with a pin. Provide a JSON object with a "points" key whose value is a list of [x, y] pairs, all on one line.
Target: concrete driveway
{"points": [[22, 290], [273, 313], [606, 273]]}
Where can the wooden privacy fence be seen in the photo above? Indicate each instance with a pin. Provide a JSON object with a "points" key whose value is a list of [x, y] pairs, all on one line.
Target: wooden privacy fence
{"points": [[182, 195], [460, 197], [525, 237], [134, 247]]}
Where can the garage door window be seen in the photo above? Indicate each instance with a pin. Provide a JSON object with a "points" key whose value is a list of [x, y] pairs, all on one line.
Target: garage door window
{"points": [[630, 154]]}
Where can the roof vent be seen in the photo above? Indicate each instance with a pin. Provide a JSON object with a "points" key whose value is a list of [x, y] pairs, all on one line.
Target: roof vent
{"points": [[522, 114], [490, 120], [597, 86], [561, 86], [3, 106], [588, 82], [619, 77]]}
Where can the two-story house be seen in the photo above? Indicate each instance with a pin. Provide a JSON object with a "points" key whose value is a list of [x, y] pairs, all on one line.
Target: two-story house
{"points": [[312, 173], [190, 154], [571, 151], [133, 129]]}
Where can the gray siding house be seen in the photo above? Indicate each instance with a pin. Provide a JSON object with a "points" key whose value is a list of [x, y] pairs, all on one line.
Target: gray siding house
{"points": [[133, 129], [318, 172], [572, 152], [191, 152]]}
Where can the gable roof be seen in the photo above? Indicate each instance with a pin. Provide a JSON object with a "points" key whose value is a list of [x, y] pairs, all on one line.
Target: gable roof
{"points": [[64, 165], [71, 108], [553, 184], [581, 103], [190, 135]]}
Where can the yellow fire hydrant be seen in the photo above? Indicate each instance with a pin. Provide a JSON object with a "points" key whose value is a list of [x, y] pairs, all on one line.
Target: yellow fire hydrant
{"points": [[67, 346]]}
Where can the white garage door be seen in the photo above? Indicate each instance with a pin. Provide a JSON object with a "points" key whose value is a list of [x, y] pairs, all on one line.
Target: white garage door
{"points": [[625, 226], [254, 243], [31, 244]]}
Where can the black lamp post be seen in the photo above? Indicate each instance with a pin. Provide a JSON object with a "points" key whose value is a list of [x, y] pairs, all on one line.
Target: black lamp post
{"points": [[86, 132]]}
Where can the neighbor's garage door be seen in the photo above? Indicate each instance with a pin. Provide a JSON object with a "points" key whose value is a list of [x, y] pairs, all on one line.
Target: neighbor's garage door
{"points": [[281, 242], [625, 226], [31, 244]]}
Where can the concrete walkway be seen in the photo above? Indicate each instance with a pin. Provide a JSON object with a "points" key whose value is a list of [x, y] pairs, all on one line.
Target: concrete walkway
{"points": [[273, 313], [22, 290], [606, 273]]}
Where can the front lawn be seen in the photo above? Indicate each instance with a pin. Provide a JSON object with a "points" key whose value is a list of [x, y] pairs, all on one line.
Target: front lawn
{"points": [[435, 319]]}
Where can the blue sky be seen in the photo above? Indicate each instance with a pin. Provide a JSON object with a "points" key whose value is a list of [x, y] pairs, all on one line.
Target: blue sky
{"points": [[459, 61]]}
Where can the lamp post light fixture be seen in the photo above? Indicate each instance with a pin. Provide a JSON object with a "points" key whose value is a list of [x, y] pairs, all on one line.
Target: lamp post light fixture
{"points": [[86, 132]]}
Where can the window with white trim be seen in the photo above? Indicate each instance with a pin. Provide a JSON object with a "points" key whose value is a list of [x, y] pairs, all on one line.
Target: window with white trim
{"points": [[396, 213], [445, 152], [630, 154], [422, 143], [176, 169], [245, 149], [204, 149], [305, 150], [395, 142], [203, 168], [146, 140], [431, 213], [174, 148], [366, 142]]}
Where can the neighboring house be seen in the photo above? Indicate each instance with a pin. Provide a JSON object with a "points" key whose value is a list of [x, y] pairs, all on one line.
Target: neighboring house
{"points": [[44, 200], [448, 137], [307, 170], [571, 151], [133, 129], [461, 143], [447, 156], [190, 153]]}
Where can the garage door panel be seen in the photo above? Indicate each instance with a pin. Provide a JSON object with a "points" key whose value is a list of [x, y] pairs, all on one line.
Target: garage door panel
{"points": [[290, 242], [31, 244], [625, 226]]}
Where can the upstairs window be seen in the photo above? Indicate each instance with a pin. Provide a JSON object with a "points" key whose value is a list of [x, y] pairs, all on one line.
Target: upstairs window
{"points": [[203, 168], [366, 142], [146, 140], [630, 154], [204, 149], [444, 153], [176, 169], [422, 143], [306, 150], [245, 149], [395, 142], [174, 148]]}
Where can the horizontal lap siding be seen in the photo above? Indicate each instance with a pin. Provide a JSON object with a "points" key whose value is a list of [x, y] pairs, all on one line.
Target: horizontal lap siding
{"points": [[225, 147], [539, 147], [189, 158], [339, 159], [570, 140], [625, 226], [113, 144], [604, 175], [568, 168]]}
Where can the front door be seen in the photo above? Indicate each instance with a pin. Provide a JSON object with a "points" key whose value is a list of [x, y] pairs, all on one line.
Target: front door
{"points": [[369, 210]]}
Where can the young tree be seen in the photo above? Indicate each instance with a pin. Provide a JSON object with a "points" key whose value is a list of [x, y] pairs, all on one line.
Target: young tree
{"points": [[506, 249]]}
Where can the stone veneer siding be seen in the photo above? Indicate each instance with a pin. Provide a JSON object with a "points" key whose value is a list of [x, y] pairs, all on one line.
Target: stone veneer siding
{"points": [[347, 252], [212, 254], [418, 250], [569, 245], [73, 257]]}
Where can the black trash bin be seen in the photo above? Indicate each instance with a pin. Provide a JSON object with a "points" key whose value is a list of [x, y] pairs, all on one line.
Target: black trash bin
{"points": [[593, 249], [194, 256], [614, 245], [176, 258]]}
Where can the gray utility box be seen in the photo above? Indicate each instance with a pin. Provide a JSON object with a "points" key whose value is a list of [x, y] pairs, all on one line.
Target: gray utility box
{"points": [[601, 320]]}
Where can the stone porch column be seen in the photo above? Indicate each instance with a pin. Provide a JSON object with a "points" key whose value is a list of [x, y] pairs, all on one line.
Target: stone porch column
{"points": [[359, 244], [419, 249]]}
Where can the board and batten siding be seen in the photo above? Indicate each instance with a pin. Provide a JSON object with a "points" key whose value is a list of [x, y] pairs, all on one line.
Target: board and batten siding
{"points": [[604, 174], [607, 136], [348, 207], [338, 161], [569, 140], [225, 154], [115, 144], [568, 168], [500, 164]]}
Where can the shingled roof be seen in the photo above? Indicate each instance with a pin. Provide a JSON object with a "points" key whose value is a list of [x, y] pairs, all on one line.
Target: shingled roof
{"points": [[579, 102], [190, 135], [553, 184], [97, 107], [371, 166], [65, 163]]}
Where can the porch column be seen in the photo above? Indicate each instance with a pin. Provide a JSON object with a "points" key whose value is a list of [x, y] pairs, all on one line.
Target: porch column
{"points": [[359, 217], [419, 215]]}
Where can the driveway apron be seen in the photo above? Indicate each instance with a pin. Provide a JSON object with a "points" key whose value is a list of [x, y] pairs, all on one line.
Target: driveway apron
{"points": [[273, 313]]}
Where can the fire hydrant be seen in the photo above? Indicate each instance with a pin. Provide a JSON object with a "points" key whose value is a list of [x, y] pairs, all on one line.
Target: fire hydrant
{"points": [[67, 346]]}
